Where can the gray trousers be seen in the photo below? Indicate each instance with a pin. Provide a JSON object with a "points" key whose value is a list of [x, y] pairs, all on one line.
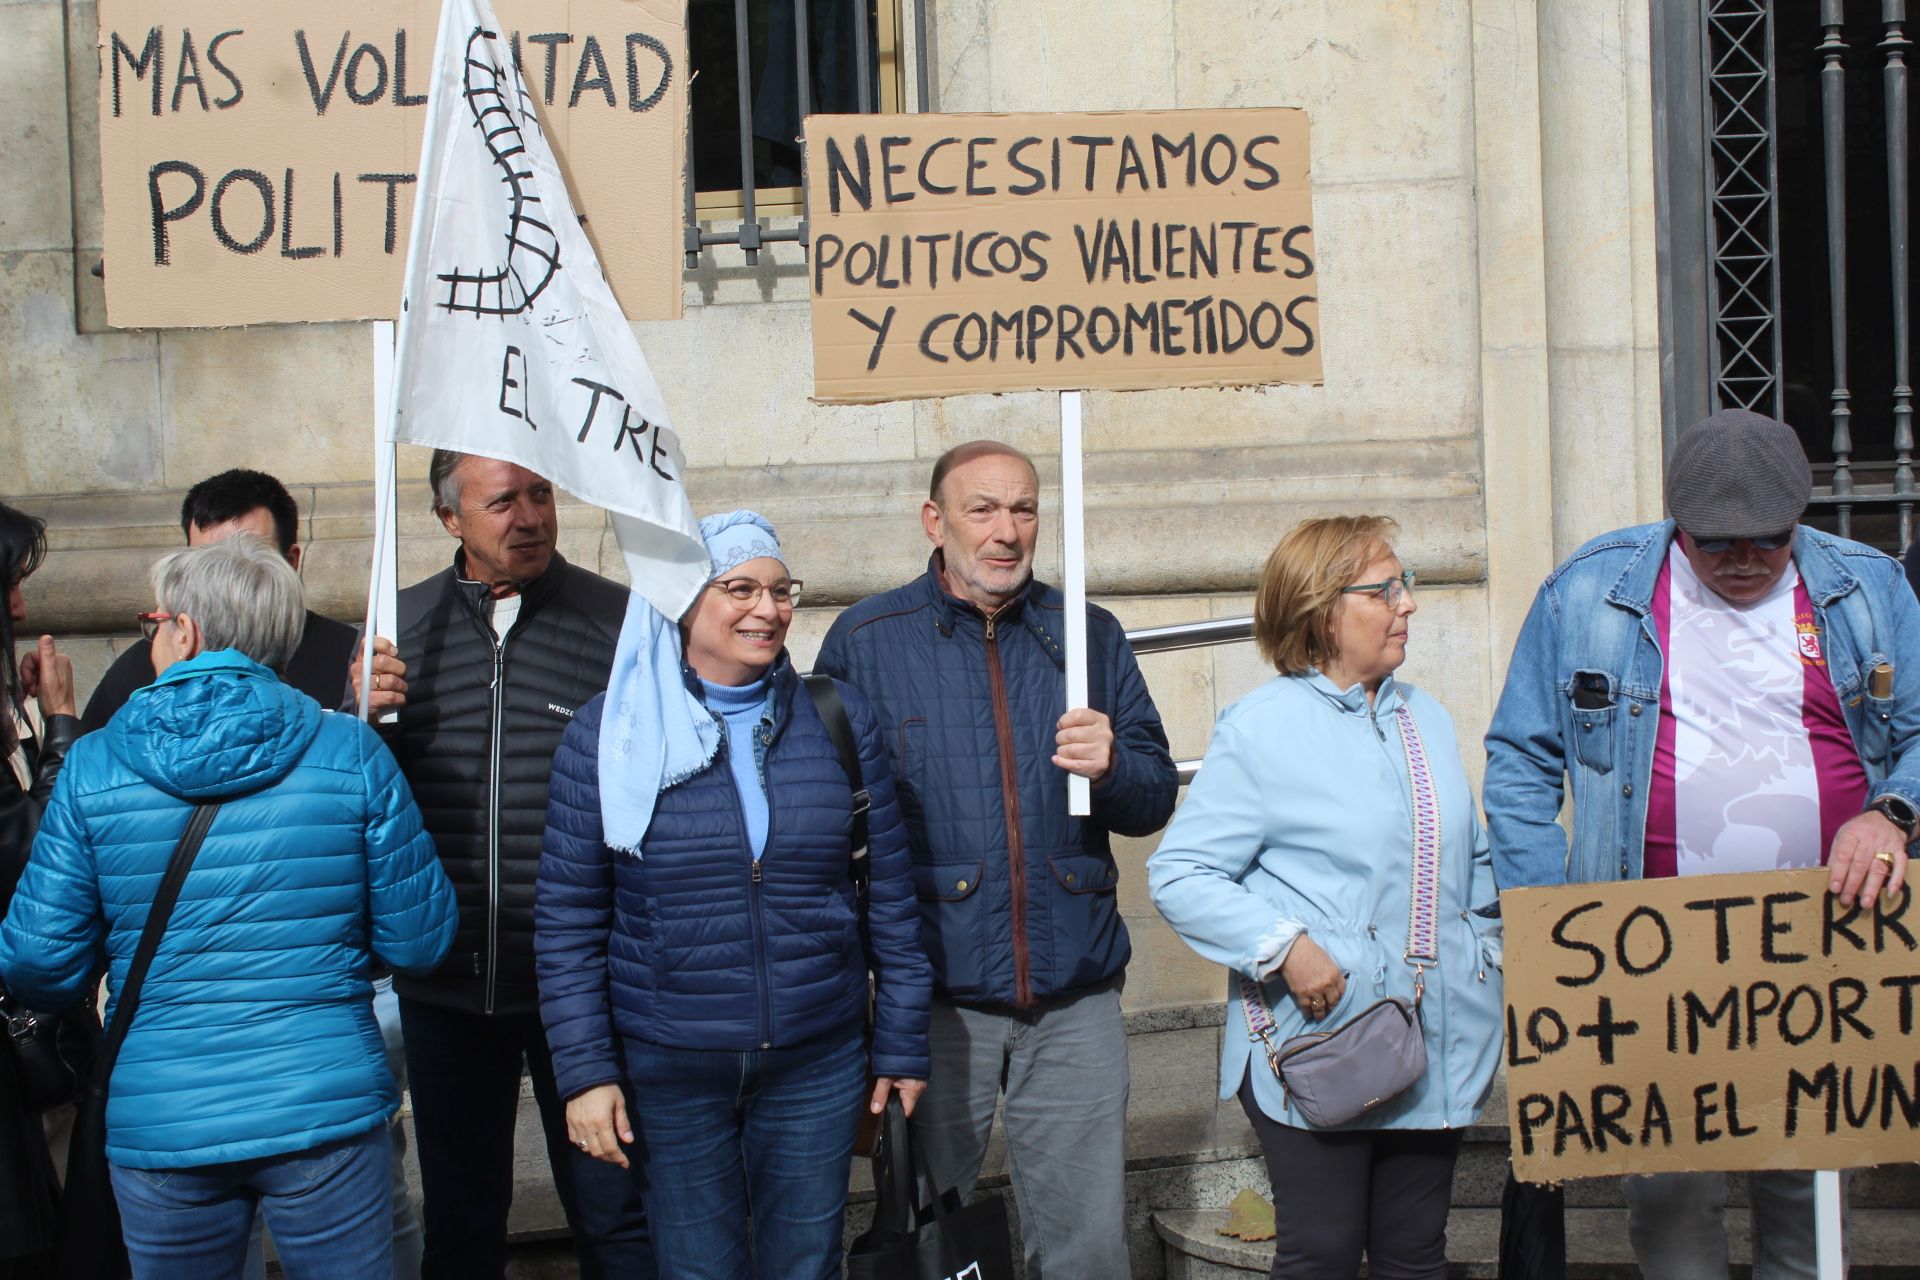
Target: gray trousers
{"points": [[1064, 1070], [1677, 1222]]}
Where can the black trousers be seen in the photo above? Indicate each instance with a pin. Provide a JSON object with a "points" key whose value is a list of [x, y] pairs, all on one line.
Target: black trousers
{"points": [[463, 1075], [1339, 1194]]}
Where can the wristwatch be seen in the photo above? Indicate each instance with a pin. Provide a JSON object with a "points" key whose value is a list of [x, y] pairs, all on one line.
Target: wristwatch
{"points": [[1899, 813]]}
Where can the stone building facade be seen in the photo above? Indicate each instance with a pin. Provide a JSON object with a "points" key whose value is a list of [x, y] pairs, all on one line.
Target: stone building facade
{"points": [[1484, 189]]}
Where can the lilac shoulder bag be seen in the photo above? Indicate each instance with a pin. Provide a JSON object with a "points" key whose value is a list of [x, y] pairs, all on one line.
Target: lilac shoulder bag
{"points": [[1333, 1077]]}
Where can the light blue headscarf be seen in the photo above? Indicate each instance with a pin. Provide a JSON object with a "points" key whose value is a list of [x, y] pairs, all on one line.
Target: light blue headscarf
{"points": [[654, 732]]}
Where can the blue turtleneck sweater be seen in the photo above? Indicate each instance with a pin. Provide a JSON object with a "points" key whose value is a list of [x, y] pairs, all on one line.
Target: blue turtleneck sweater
{"points": [[742, 707]]}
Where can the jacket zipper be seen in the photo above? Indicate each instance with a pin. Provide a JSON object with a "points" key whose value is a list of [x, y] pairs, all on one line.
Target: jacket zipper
{"points": [[1010, 796], [762, 976], [498, 692]]}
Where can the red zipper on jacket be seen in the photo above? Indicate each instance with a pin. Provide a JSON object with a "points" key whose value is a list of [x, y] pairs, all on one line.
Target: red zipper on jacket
{"points": [[1010, 798]]}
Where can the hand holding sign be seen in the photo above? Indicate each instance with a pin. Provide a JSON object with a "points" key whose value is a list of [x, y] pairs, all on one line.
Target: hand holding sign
{"points": [[1868, 858]]}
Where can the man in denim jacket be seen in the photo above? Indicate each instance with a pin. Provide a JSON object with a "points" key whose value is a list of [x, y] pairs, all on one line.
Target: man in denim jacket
{"points": [[1726, 691]]}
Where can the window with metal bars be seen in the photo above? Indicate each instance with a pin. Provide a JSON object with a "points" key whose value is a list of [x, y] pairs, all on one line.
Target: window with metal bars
{"points": [[1807, 121], [760, 67]]}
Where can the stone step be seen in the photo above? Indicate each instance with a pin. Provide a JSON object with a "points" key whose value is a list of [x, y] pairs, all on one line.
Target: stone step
{"points": [[1885, 1245]]}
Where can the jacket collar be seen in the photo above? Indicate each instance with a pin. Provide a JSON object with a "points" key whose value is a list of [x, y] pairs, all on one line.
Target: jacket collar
{"points": [[1825, 575], [1022, 610], [476, 594], [213, 662], [1353, 699]]}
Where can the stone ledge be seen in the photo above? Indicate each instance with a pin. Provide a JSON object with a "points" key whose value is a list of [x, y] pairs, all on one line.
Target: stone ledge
{"points": [[852, 530], [1881, 1245]]}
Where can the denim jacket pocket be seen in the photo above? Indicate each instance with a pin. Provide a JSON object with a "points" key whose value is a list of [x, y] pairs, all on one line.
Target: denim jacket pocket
{"points": [[1593, 736]]}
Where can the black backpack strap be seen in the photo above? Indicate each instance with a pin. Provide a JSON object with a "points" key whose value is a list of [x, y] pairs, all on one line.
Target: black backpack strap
{"points": [[833, 713], [127, 999]]}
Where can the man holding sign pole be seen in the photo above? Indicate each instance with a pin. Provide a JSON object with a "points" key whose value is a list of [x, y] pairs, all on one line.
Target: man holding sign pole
{"points": [[1017, 898], [1724, 691]]}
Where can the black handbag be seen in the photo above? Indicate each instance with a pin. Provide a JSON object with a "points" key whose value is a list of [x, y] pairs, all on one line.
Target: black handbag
{"points": [[943, 1240], [50, 1052], [90, 1246]]}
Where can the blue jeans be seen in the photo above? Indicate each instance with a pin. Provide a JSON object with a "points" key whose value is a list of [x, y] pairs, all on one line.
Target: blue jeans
{"points": [[406, 1223], [327, 1208], [722, 1136]]}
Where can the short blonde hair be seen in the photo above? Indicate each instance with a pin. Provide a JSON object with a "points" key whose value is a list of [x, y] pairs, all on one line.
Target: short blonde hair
{"points": [[1300, 587]]}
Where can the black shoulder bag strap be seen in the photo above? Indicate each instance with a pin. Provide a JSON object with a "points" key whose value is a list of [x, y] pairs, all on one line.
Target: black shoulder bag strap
{"points": [[126, 1001], [89, 1244], [833, 713]]}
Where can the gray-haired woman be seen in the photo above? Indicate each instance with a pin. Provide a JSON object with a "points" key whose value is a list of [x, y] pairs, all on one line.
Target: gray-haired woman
{"points": [[254, 1074]]}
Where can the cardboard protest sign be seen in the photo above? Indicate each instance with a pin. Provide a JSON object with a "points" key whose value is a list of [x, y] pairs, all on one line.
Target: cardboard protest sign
{"points": [[257, 162], [1116, 250], [1709, 1022]]}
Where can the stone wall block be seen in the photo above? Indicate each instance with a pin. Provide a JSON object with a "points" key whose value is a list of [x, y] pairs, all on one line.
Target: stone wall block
{"points": [[1595, 397], [1399, 90], [1250, 53], [293, 400], [738, 380], [35, 207], [77, 413], [83, 115], [1399, 326], [1054, 55]]}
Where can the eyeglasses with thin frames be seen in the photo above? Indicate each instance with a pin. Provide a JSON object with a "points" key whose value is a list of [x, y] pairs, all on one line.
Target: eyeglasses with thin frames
{"points": [[745, 592], [1389, 591], [150, 622]]}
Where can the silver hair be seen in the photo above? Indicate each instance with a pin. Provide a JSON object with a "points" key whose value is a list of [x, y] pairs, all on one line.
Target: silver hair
{"points": [[241, 591], [446, 485]]}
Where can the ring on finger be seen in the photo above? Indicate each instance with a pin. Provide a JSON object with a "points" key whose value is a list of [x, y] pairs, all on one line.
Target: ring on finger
{"points": [[1885, 859]]}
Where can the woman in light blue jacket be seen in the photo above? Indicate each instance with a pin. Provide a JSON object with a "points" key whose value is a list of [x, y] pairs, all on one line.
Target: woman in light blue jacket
{"points": [[254, 1074], [1292, 862]]}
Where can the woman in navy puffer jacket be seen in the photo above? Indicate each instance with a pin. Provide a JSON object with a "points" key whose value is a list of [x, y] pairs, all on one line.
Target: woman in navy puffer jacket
{"points": [[254, 1073], [697, 935]]}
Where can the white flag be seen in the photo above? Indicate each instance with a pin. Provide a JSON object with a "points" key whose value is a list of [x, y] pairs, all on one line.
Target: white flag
{"points": [[511, 344]]}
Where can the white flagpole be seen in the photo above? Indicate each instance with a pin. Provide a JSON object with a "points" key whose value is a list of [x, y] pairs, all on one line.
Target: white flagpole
{"points": [[383, 591], [390, 372], [1828, 1229], [1073, 534]]}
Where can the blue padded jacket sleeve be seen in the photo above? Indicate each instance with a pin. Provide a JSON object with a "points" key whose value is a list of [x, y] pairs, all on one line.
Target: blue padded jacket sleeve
{"points": [[904, 975], [1136, 797], [573, 915], [409, 896], [51, 939]]}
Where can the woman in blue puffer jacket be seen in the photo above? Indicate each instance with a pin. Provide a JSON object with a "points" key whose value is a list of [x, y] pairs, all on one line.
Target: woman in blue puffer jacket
{"points": [[697, 932], [254, 1073]]}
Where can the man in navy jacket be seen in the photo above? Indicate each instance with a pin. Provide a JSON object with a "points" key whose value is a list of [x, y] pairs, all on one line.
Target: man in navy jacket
{"points": [[1018, 909]]}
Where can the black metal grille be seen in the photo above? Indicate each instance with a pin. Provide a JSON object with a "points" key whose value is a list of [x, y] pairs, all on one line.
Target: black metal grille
{"points": [[786, 59], [1744, 238], [1807, 221]]}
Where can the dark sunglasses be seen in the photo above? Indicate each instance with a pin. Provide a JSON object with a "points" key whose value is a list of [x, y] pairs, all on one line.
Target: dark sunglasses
{"points": [[150, 623], [1765, 542]]}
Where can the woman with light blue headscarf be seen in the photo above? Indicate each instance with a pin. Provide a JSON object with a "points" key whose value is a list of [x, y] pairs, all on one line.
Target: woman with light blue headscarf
{"points": [[703, 958]]}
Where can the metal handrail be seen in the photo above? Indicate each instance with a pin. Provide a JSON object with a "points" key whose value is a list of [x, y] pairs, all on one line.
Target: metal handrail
{"points": [[1189, 635]]}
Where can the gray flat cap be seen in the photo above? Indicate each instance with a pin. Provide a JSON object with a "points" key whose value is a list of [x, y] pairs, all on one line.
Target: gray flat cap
{"points": [[1738, 474]]}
